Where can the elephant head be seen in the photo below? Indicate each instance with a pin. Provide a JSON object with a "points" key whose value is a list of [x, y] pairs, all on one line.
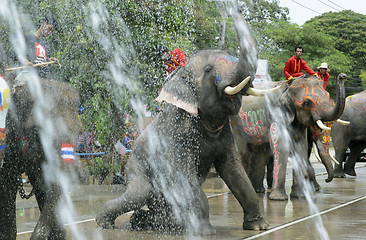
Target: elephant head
{"points": [[212, 79], [313, 103], [313, 107]]}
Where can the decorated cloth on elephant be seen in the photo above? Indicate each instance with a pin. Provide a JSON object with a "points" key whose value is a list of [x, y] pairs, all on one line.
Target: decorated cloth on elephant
{"points": [[4, 105], [178, 58], [294, 67]]}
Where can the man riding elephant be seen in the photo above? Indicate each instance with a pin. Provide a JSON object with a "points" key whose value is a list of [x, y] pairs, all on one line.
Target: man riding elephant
{"points": [[37, 51]]}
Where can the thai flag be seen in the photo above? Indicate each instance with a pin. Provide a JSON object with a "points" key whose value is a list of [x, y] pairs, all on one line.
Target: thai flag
{"points": [[67, 153]]}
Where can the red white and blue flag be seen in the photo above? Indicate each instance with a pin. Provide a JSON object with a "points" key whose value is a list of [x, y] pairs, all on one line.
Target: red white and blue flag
{"points": [[67, 153]]}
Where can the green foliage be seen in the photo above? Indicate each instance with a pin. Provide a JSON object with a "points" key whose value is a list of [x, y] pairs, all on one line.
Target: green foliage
{"points": [[348, 32], [107, 47], [318, 47], [101, 169], [107, 52]]}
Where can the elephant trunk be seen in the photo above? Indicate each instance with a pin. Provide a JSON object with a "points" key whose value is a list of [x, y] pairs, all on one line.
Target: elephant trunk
{"points": [[247, 64], [337, 111]]}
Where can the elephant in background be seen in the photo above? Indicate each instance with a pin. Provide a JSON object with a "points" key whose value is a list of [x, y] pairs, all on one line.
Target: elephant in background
{"points": [[351, 136], [28, 139], [260, 137], [174, 154]]}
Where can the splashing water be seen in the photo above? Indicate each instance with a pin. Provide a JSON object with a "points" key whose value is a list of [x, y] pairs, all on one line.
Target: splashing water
{"points": [[298, 164]]}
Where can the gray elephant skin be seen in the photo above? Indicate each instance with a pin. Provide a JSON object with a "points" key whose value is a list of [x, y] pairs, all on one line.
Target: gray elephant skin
{"points": [[173, 156], [24, 153], [260, 140], [351, 136]]}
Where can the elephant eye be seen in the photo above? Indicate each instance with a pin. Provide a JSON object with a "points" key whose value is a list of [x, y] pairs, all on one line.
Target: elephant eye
{"points": [[208, 68], [308, 104]]}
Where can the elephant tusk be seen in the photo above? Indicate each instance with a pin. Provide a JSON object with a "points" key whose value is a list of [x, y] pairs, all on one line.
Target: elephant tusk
{"points": [[234, 90], [333, 158], [342, 122], [260, 92], [322, 126], [316, 152]]}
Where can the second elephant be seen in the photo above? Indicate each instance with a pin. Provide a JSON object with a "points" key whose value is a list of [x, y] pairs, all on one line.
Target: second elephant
{"points": [[351, 136], [260, 134]]}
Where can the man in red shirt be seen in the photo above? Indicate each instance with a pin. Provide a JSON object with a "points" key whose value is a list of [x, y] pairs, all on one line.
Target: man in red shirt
{"points": [[172, 59], [295, 65], [322, 73]]}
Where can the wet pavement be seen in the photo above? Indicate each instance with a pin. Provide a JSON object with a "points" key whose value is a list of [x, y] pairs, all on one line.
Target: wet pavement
{"points": [[340, 212]]}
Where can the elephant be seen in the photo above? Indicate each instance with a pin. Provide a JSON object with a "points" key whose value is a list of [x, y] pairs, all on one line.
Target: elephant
{"points": [[173, 155], [260, 137], [351, 136], [42, 152]]}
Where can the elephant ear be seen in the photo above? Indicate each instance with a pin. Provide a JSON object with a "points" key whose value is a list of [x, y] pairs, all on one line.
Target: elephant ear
{"points": [[287, 106], [180, 91]]}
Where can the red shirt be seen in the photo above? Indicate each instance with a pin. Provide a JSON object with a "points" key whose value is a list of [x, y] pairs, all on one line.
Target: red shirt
{"points": [[294, 67], [325, 78], [178, 59]]}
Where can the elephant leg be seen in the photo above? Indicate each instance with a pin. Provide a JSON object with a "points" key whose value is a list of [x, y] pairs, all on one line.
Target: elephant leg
{"points": [[48, 225], [349, 166], [235, 177], [8, 191], [137, 192], [269, 176], [302, 169], [258, 172], [311, 176], [340, 152], [280, 156]]}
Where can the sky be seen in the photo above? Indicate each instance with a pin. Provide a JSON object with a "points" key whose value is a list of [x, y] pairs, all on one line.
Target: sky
{"points": [[311, 8]]}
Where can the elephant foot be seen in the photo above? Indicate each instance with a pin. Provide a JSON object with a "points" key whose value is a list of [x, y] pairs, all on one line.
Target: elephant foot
{"points": [[105, 220], [259, 189], [150, 220], [338, 174], [205, 230], [279, 195], [338, 171], [256, 223], [297, 194], [316, 185], [141, 220], [349, 170]]}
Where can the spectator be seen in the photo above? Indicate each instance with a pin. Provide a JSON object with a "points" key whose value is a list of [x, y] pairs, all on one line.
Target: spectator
{"points": [[295, 65], [172, 59], [322, 73]]}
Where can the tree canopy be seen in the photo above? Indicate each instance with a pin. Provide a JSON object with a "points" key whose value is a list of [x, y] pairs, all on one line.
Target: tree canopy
{"points": [[107, 47]]}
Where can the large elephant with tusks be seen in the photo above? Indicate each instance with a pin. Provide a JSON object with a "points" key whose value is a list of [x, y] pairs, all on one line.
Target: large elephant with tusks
{"points": [[273, 130], [173, 156], [35, 147]]}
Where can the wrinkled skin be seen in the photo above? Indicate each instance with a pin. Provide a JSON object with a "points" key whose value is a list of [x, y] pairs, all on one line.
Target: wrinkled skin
{"points": [[24, 153], [351, 136], [261, 141], [321, 138], [190, 134]]}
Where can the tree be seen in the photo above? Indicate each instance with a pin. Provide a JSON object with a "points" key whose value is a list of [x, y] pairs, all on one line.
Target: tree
{"points": [[107, 52], [348, 30]]}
